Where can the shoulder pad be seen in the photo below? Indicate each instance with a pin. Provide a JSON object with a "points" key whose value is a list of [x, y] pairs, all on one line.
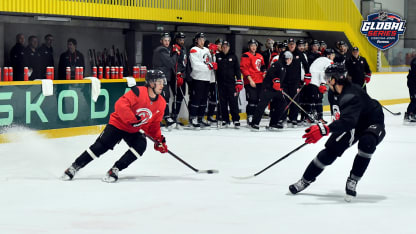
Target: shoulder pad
{"points": [[193, 51], [346, 99], [136, 90], [245, 55]]}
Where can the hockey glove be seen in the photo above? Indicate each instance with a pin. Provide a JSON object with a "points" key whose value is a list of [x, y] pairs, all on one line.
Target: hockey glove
{"points": [[307, 78], [138, 123], [179, 80], [276, 84], [367, 78], [315, 133], [238, 86], [322, 88], [176, 49], [160, 145], [213, 66], [212, 48]]}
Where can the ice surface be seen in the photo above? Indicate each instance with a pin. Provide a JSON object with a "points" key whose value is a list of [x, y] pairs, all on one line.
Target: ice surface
{"points": [[158, 194]]}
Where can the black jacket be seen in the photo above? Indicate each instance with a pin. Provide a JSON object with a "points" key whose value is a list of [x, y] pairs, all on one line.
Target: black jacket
{"points": [[70, 60], [16, 60], [228, 69], [357, 68], [357, 110], [164, 60], [312, 56], [267, 57], [276, 70], [32, 60], [46, 55], [293, 72]]}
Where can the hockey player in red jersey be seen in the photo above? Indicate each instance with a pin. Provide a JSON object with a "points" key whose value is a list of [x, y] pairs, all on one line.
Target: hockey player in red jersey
{"points": [[253, 69], [141, 108]]}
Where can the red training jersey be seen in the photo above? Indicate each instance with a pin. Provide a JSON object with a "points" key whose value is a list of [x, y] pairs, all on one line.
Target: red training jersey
{"points": [[252, 65], [131, 105]]}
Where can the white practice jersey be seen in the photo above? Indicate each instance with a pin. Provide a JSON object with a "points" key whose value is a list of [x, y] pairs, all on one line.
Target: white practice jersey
{"points": [[200, 58], [317, 70]]}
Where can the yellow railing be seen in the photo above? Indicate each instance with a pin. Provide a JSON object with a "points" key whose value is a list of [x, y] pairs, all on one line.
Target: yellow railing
{"points": [[322, 15]]}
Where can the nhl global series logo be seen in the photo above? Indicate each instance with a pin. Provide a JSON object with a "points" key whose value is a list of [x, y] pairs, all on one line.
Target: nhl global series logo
{"points": [[383, 29]]}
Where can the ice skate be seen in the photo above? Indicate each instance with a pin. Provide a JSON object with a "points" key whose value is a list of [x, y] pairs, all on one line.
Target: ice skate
{"points": [[179, 125], [254, 127], [292, 124], [211, 120], [195, 125], [204, 124], [350, 187], [70, 173], [299, 186], [225, 124], [169, 123], [237, 124], [111, 176]]}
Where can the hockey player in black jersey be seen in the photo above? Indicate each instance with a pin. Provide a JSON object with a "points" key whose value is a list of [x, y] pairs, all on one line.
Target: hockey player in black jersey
{"points": [[410, 114], [361, 120], [272, 91]]}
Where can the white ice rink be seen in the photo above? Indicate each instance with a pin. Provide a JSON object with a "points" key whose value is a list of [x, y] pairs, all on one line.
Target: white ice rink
{"points": [[157, 194]]}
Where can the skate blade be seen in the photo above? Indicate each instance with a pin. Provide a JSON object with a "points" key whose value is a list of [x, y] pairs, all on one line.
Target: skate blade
{"points": [[65, 177], [109, 179], [348, 198]]}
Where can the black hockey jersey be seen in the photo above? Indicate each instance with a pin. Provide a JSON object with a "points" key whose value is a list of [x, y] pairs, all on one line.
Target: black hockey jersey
{"points": [[357, 110]]}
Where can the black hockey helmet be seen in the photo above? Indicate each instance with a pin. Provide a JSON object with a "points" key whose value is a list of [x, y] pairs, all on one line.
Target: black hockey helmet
{"points": [[164, 35], [154, 75], [199, 35], [219, 41], [338, 72], [180, 35], [252, 41], [340, 43], [276, 44], [329, 51], [322, 43]]}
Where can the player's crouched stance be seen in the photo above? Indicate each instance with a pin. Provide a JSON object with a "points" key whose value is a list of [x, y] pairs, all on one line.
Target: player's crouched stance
{"points": [[360, 119], [141, 108]]}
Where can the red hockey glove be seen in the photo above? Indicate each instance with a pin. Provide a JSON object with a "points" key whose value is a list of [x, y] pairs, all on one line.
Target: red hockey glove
{"points": [[322, 88], [238, 86], [176, 49], [179, 80], [138, 123], [213, 66], [315, 133], [160, 145], [367, 77], [307, 78], [276, 84], [212, 48]]}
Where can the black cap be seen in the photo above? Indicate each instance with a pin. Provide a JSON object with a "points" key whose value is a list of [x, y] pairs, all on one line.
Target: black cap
{"points": [[199, 35], [226, 43], [291, 40], [276, 43], [219, 40], [342, 43], [322, 43], [329, 51], [315, 42], [355, 49], [300, 42]]}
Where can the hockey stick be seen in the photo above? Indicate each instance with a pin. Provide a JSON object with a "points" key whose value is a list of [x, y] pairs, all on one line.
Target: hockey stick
{"points": [[287, 106], [211, 171], [277, 161], [393, 113], [294, 102], [385, 108]]}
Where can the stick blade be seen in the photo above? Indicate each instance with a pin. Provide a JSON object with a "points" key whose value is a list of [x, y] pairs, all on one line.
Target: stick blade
{"points": [[211, 171], [243, 177]]}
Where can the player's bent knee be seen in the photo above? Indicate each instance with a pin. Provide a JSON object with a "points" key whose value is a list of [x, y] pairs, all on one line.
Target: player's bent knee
{"points": [[367, 145], [324, 158]]}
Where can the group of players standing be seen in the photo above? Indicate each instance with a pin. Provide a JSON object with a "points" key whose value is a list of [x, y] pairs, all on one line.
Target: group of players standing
{"points": [[283, 71]]}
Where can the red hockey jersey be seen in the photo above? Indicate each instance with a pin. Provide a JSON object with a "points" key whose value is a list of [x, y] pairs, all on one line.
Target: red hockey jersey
{"points": [[251, 65], [131, 105]]}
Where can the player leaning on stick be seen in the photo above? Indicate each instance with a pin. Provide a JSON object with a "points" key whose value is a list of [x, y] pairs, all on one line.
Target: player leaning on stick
{"points": [[360, 119], [141, 108]]}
